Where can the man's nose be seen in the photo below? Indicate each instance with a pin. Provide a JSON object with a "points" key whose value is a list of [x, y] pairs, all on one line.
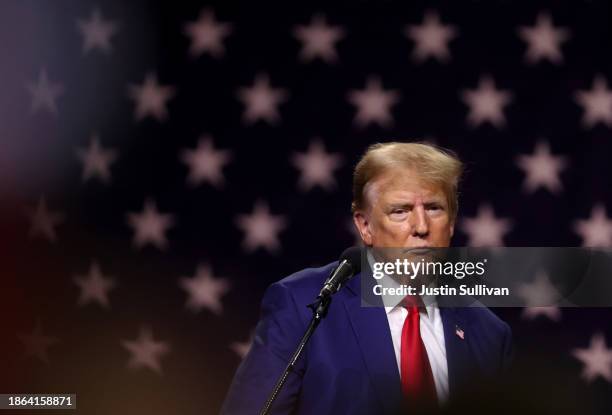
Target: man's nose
{"points": [[419, 225]]}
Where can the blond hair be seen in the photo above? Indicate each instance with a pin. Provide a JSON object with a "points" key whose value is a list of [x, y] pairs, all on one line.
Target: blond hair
{"points": [[433, 164]]}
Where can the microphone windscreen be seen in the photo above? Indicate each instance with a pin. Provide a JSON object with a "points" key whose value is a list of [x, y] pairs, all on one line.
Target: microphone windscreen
{"points": [[353, 256]]}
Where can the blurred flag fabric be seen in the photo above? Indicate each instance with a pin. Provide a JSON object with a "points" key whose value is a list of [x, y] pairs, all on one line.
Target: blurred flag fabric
{"points": [[162, 163]]}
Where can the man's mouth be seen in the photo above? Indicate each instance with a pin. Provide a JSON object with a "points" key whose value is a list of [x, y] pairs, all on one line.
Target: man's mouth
{"points": [[418, 251]]}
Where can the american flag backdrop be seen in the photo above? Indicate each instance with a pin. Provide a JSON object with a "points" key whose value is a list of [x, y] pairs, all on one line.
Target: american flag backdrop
{"points": [[162, 163]]}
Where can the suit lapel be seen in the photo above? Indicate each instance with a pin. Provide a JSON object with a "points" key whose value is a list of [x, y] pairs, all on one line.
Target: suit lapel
{"points": [[371, 329], [457, 348]]}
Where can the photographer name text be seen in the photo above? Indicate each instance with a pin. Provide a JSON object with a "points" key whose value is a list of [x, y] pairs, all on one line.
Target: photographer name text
{"points": [[444, 290]]}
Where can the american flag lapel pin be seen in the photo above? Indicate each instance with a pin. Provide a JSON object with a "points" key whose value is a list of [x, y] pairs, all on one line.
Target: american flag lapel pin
{"points": [[459, 332]]}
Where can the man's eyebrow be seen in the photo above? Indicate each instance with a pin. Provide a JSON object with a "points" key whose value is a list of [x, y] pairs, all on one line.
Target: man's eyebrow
{"points": [[434, 200], [428, 201], [400, 205]]}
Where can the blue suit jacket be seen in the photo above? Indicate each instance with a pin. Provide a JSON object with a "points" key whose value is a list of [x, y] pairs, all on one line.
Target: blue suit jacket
{"points": [[349, 366]]}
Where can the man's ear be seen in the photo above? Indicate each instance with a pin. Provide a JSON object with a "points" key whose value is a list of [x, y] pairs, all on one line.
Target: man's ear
{"points": [[363, 227], [452, 228]]}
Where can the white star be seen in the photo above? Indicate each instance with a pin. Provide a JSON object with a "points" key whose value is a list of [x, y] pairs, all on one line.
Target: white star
{"points": [[543, 40], [539, 296], [261, 228], [542, 169], [45, 93], [242, 348], [485, 229], [146, 352], [597, 230], [551, 312], [150, 226], [597, 359], [596, 103], [43, 221], [96, 160], [431, 38], [206, 163], [94, 287], [151, 98], [318, 40], [373, 103], [207, 35], [97, 32], [36, 343], [316, 166], [205, 291], [486, 103], [262, 101]]}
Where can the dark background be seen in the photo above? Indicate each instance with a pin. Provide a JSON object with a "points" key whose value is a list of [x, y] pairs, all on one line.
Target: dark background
{"points": [[37, 157]]}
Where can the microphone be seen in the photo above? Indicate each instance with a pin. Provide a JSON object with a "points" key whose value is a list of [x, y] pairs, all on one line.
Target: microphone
{"points": [[350, 264]]}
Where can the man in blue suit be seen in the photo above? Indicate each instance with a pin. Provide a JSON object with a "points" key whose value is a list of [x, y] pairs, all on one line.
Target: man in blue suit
{"points": [[372, 360]]}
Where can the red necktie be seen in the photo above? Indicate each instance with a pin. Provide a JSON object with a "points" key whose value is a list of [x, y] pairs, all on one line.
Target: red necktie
{"points": [[418, 388]]}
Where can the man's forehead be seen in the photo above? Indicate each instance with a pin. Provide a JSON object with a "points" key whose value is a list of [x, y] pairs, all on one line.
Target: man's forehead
{"points": [[402, 183], [405, 196]]}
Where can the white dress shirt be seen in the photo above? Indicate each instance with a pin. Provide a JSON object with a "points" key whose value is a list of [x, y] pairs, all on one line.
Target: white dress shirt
{"points": [[432, 333]]}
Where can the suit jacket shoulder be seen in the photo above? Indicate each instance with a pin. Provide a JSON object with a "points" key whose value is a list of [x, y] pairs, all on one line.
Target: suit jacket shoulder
{"points": [[307, 280]]}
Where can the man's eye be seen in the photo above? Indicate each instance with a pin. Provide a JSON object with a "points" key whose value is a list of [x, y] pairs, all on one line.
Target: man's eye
{"points": [[398, 214], [434, 207]]}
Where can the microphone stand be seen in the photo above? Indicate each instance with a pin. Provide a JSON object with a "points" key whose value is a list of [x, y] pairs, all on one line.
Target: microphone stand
{"points": [[319, 311]]}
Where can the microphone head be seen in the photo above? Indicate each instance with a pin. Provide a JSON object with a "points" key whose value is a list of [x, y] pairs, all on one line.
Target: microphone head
{"points": [[353, 257]]}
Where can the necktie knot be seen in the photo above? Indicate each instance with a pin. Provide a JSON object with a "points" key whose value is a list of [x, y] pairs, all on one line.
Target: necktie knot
{"points": [[410, 302]]}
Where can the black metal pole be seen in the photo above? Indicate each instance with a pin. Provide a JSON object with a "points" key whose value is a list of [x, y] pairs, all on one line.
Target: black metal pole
{"points": [[319, 310]]}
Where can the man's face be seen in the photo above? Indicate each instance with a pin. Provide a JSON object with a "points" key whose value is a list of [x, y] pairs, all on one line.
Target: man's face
{"points": [[402, 211]]}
